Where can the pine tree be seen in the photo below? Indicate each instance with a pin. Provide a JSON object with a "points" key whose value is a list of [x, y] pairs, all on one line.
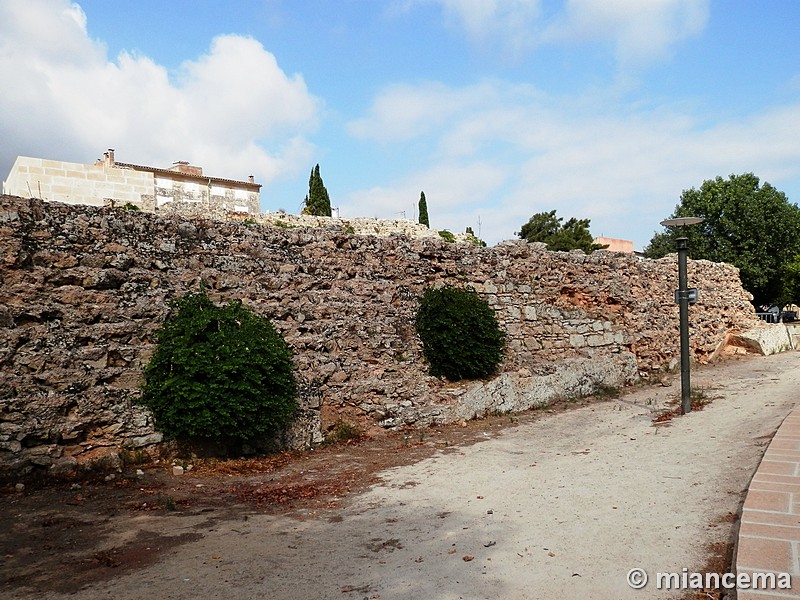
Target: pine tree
{"points": [[423, 210], [317, 202], [547, 227]]}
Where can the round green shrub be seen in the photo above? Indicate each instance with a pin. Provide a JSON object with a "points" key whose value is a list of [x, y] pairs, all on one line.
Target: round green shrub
{"points": [[219, 373], [460, 335]]}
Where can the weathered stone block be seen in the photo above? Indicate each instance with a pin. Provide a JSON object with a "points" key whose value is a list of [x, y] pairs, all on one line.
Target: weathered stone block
{"points": [[766, 339], [576, 340]]}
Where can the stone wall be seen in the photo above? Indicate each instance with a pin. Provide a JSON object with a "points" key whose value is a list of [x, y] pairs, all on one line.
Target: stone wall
{"points": [[356, 225], [82, 289]]}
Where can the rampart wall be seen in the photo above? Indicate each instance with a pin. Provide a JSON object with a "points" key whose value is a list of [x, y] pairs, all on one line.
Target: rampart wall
{"points": [[82, 289]]}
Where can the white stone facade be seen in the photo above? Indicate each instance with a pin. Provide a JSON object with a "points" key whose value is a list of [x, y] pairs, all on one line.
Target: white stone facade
{"points": [[74, 183], [108, 182]]}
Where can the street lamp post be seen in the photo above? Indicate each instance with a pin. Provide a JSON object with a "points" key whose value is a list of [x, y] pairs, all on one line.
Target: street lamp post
{"points": [[684, 296], [683, 305]]}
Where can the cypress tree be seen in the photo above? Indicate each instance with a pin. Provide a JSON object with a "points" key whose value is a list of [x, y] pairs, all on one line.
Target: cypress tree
{"points": [[317, 202], [423, 210]]}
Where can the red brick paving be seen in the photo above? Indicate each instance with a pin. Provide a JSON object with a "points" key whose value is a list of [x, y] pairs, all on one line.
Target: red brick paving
{"points": [[769, 536]]}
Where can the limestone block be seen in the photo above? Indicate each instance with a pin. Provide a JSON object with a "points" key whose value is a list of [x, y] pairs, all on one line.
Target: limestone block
{"points": [[596, 340], [11, 445], [576, 340], [64, 465], [575, 378], [532, 344], [144, 440], [514, 312], [766, 339]]}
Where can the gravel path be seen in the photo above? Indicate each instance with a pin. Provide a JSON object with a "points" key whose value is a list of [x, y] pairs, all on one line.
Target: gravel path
{"points": [[561, 507]]}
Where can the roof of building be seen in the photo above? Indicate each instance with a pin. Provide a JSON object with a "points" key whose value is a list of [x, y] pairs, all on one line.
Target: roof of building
{"points": [[615, 244], [203, 178]]}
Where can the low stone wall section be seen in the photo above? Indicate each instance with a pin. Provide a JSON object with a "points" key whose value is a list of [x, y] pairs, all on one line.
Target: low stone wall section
{"points": [[82, 290]]}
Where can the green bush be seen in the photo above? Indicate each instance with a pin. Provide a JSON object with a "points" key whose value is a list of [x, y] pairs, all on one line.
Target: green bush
{"points": [[460, 334], [219, 373], [447, 236]]}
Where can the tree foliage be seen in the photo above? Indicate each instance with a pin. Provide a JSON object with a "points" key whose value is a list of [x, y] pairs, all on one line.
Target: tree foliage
{"points": [[423, 210], [791, 282], [460, 334], [749, 225], [547, 228], [317, 202], [221, 374]]}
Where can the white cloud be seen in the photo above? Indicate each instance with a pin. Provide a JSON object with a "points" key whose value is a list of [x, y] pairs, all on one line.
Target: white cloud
{"points": [[232, 111], [510, 151], [57, 30], [507, 24], [511, 21], [404, 111], [449, 189], [640, 31], [245, 81]]}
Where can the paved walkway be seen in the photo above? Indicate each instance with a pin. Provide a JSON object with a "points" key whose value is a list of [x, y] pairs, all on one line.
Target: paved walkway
{"points": [[769, 537]]}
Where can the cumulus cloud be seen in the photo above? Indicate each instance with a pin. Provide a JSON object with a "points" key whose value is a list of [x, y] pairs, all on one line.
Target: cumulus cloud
{"points": [[233, 110]]}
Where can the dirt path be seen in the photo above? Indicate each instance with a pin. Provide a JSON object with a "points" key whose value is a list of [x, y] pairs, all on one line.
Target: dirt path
{"points": [[554, 504]]}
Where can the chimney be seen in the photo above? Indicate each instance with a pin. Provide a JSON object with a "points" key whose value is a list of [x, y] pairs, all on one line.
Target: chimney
{"points": [[183, 166], [251, 179], [109, 156]]}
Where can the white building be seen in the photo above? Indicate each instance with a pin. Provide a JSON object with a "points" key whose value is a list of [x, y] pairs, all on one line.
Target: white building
{"points": [[111, 183]]}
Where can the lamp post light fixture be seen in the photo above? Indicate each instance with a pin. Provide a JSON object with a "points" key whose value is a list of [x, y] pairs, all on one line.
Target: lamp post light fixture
{"points": [[683, 297]]}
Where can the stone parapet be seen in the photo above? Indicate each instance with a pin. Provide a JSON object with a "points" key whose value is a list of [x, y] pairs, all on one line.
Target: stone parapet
{"points": [[356, 225]]}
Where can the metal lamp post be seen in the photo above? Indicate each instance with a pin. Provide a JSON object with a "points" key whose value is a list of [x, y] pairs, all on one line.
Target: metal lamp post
{"points": [[683, 297]]}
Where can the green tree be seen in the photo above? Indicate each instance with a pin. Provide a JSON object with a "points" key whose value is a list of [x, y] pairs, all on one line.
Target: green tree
{"points": [[791, 282], [423, 210], [220, 374], [546, 227], [317, 202], [749, 225]]}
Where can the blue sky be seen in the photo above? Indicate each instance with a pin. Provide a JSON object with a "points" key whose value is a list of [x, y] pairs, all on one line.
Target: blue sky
{"points": [[496, 109]]}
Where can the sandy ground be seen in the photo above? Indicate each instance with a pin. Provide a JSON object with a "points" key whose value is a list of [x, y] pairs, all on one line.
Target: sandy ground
{"points": [[561, 505]]}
